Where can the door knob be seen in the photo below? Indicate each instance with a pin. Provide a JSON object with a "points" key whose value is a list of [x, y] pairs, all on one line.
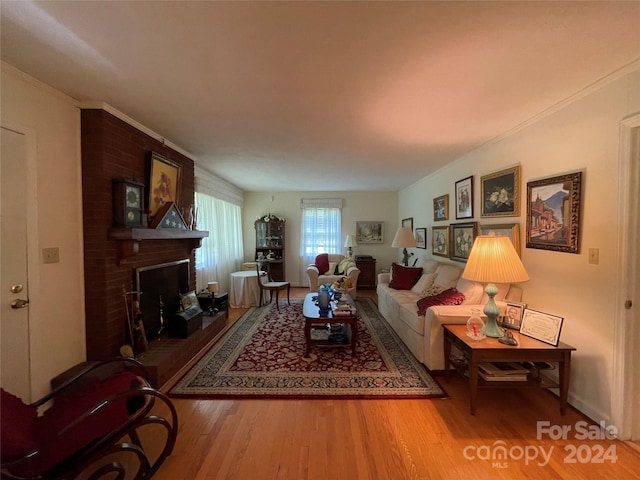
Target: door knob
{"points": [[19, 303]]}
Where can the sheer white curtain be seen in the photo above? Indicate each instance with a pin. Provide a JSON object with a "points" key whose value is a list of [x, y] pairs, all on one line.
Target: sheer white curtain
{"points": [[321, 230], [221, 252]]}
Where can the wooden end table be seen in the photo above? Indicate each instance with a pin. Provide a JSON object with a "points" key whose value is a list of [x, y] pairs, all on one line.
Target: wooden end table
{"points": [[491, 350], [312, 316]]}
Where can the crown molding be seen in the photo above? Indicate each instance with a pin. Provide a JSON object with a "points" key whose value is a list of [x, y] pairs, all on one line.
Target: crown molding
{"points": [[96, 104]]}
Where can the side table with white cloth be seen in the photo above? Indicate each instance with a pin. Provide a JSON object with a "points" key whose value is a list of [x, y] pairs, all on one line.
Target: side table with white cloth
{"points": [[244, 290]]}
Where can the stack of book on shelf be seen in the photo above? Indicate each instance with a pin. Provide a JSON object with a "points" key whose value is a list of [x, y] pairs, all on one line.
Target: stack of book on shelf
{"points": [[503, 372]]}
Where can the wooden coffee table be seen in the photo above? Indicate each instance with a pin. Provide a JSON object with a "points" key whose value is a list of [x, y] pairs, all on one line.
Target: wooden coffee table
{"points": [[312, 317], [491, 350]]}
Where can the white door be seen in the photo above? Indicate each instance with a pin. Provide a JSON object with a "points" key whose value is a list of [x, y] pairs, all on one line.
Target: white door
{"points": [[14, 322]]}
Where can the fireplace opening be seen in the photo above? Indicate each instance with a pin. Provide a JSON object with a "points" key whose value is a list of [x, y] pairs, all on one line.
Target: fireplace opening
{"points": [[160, 286]]}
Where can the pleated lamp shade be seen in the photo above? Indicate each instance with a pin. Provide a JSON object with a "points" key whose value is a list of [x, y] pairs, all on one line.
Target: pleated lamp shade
{"points": [[494, 260]]}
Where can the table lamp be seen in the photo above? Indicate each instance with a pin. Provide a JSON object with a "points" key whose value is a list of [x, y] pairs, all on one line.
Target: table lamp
{"points": [[349, 242], [213, 288], [404, 238], [493, 260]]}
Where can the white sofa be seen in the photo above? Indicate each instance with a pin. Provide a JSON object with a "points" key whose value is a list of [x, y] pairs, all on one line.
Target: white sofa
{"points": [[316, 279], [423, 335]]}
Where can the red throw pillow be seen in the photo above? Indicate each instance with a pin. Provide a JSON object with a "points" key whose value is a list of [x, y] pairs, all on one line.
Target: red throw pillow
{"points": [[322, 262], [448, 297], [18, 425], [403, 278]]}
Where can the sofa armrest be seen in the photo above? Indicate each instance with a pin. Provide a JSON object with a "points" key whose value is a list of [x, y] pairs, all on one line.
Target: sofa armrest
{"points": [[312, 273], [353, 273], [384, 277]]}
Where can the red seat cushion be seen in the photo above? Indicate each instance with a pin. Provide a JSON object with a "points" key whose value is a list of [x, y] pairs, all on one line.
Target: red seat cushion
{"points": [[448, 297], [322, 262], [17, 426], [403, 278], [55, 447]]}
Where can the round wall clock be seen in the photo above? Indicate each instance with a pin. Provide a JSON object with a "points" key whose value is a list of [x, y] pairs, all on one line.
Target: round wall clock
{"points": [[128, 203]]}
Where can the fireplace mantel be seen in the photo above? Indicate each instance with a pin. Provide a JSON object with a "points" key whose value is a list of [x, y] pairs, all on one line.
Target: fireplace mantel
{"points": [[129, 238]]}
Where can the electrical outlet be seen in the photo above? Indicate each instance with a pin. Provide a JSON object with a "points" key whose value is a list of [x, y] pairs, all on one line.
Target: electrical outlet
{"points": [[594, 256], [51, 255]]}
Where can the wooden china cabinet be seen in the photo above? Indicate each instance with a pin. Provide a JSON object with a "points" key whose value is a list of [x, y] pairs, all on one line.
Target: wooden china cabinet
{"points": [[270, 235]]}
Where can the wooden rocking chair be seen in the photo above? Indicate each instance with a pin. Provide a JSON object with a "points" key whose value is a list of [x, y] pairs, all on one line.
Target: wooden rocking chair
{"points": [[92, 427]]}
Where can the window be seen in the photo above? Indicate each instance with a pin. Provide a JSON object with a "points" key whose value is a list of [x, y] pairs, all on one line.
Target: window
{"points": [[221, 251], [321, 229]]}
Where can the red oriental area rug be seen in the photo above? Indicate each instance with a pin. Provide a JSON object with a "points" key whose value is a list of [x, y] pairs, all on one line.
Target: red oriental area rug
{"points": [[262, 356]]}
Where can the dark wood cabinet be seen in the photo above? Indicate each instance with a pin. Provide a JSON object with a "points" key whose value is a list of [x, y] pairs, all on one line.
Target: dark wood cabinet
{"points": [[367, 277], [270, 244]]}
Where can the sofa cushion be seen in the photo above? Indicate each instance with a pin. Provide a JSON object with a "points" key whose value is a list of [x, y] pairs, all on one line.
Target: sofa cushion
{"points": [[322, 262], [473, 291], [403, 278], [450, 296], [430, 266], [424, 282], [447, 276]]}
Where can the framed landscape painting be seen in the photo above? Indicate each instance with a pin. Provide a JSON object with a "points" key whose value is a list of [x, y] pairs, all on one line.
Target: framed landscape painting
{"points": [[553, 213], [500, 192], [370, 232]]}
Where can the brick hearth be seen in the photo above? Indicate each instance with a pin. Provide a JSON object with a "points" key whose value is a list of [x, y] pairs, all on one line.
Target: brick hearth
{"points": [[113, 149]]}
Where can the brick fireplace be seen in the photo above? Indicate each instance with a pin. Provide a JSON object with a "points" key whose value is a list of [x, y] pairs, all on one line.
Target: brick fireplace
{"points": [[113, 149]]}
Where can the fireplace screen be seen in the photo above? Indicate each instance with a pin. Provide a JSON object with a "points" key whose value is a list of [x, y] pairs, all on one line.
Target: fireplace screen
{"points": [[161, 286]]}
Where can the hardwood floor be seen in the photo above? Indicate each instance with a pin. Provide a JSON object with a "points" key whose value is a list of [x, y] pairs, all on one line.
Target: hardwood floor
{"points": [[389, 439]]}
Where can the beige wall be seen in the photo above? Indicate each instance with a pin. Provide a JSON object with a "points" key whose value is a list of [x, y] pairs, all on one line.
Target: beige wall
{"points": [[56, 291], [583, 136], [357, 206]]}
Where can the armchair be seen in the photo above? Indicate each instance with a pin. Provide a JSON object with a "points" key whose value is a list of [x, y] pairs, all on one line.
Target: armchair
{"points": [[92, 426], [316, 278]]}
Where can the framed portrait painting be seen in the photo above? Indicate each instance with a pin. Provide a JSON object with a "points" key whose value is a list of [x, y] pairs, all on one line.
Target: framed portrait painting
{"points": [[164, 182], [553, 213], [370, 232], [462, 237], [464, 198], [421, 237], [440, 241], [441, 208], [500, 192]]}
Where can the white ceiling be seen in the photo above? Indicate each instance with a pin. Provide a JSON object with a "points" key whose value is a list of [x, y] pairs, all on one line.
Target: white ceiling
{"points": [[309, 96]]}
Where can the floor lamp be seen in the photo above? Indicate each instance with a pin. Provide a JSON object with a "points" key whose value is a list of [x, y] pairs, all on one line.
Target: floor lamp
{"points": [[494, 260], [404, 239]]}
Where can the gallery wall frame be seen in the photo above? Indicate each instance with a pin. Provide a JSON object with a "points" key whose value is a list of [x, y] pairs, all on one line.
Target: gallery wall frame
{"points": [[441, 208], [369, 231], [407, 223], [464, 198], [553, 213], [421, 237], [440, 241], [462, 238], [511, 230], [164, 182], [500, 193]]}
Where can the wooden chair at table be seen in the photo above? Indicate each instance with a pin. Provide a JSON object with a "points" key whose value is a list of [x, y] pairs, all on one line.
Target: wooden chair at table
{"points": [[263, 270]]}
